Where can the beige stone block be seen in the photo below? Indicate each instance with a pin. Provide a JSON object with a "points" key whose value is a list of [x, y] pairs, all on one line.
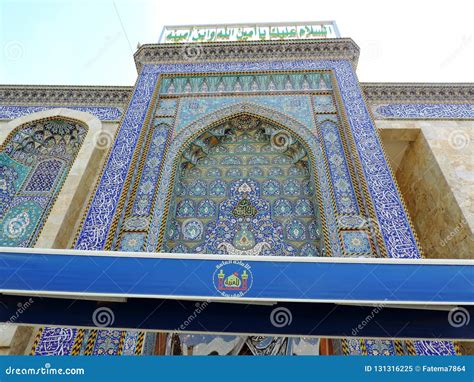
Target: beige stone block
{"points": [[434, 181], [6, 334]]}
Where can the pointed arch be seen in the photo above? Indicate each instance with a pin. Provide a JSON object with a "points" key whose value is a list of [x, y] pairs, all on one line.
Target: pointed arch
{"points": [[58, 227], [284, 122], [266, 113]]}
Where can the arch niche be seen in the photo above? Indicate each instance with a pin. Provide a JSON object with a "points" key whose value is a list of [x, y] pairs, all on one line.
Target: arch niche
{"points": [[50, 158], [245, 184]]}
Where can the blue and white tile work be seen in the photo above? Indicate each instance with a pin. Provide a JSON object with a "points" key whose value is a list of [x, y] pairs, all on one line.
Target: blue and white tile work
{"points": [[104, 113], [34, 162], [55, 341], [206, 168], [104, 203], [245, 83], [395, 228], [434, 347], [164, 189], [457, 111], [245, 195], [192, 109]]}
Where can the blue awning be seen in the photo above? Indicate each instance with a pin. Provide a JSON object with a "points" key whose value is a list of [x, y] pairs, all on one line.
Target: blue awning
{"points": [[331, 297], [227, 278]]}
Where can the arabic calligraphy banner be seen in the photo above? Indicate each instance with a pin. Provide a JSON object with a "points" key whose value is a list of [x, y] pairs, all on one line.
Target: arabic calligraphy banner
{"points": [[249, 32]]}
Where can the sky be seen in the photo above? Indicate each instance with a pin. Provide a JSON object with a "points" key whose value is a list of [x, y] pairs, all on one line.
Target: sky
{"points": [[91, 42]]}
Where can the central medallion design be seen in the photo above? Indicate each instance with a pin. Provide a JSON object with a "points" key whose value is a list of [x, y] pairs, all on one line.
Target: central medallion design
{"points": [[244, 209], [244, 225]]}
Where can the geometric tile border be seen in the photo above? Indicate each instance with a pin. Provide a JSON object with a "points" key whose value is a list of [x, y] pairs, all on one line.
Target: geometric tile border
{"points": [[424, 111], [103, 113]]}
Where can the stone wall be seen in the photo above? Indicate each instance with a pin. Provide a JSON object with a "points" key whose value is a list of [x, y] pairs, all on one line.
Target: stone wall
{"points": [[65, 236], [433, 162]]}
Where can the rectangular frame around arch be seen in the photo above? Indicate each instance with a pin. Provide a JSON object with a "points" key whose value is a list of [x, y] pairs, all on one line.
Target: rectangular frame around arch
{"points": [[395, 226]]}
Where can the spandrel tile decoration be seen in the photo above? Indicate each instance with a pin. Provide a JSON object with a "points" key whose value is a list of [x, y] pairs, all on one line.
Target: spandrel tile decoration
{"points": [[252, 140]]}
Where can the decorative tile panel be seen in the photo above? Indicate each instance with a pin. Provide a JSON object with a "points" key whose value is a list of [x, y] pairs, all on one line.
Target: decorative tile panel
{"points": [[356, 243], [34, 162], [56, 341], [424, 111], [104, 203], [245, 83], [104, 113]]}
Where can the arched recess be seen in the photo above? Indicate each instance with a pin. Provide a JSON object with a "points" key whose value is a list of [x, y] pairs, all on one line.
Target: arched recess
{"points": [[280, 120], [245, 187], [58, 227]]}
